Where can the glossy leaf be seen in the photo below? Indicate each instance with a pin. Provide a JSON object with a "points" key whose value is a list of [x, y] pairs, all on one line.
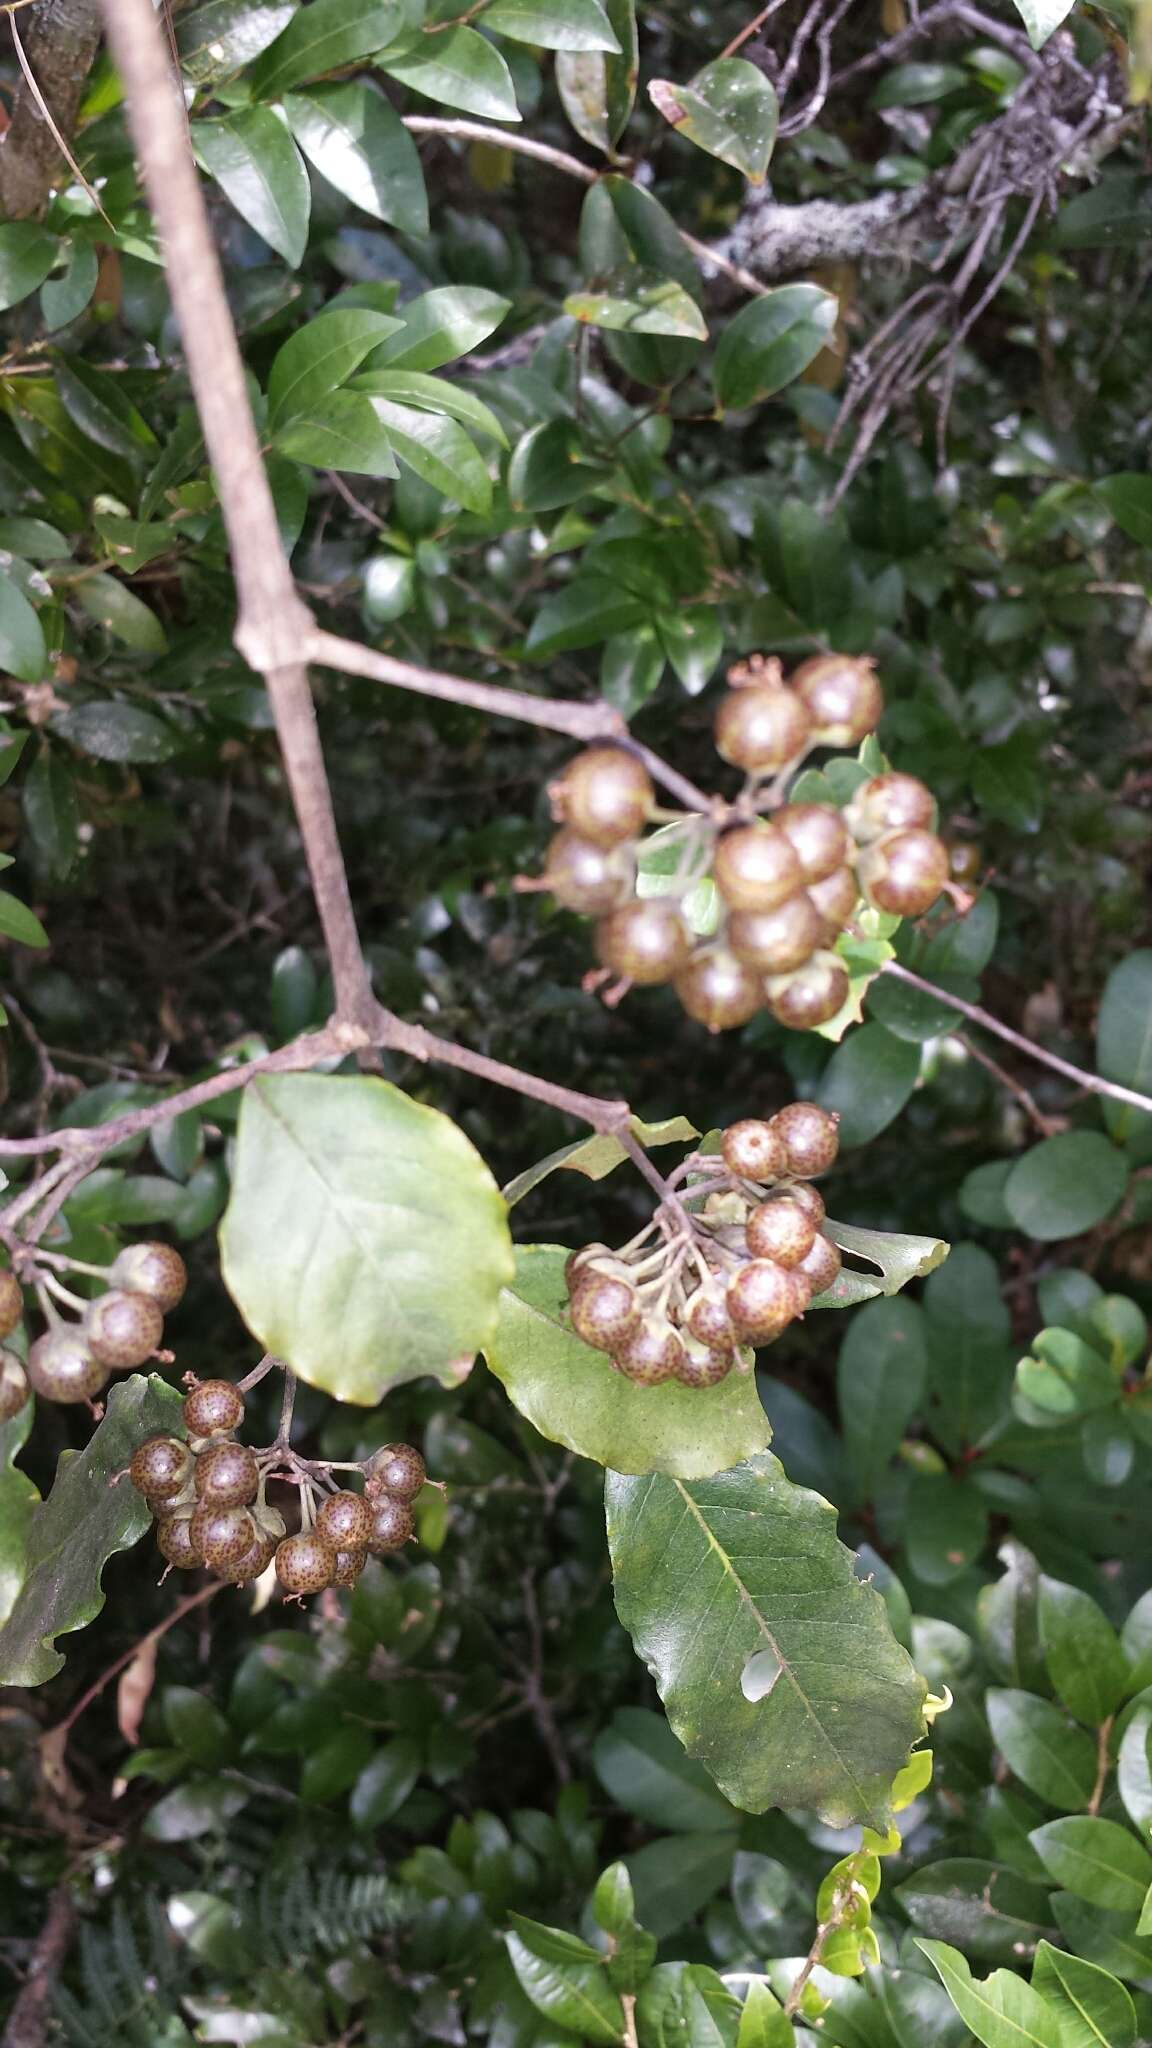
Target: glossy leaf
{"points": [[880, 1381], [645, 1770], [711, 1574], [1096, 1859], [323, 36], [1082, 1651], [18, 1499], [771, 342], [257, 166], [111, 731], [729, 109], [64, 298], [867, 1081], [341, 432], [122, 614], [432, 394], [319, 357], [1094, 2010], [23, 651], [1043, 1747], [632, 303], [19, 923], [221, 37], [553, 24], [1124, 1042], [1003, 2011], [365, 1240], [458, 68], [597, 90], [1134, 1771], [599, 1155], [50, 811], [439, 326], [27, 253], [565, 1980], [1042, 18], [358, 142], [1065, 1185], [439, 451]]}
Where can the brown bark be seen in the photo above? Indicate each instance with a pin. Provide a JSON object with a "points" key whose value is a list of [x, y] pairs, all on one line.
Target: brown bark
{"points": [[60, 39], [28, 2020]]}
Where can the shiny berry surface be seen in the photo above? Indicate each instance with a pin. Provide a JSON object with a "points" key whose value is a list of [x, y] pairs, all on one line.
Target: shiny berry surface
{"points": [[762, 730], [122, 1329], [604, 1312], [752, 1150], [305, 1563], [397, 1469], [755, 867], [718, 990], [348, 1567], [345, 1519], [834, 901], [811, 994], [821, 1266], [905, 872], [585, 877], [11, 1302], [646, 942], [174, 1538], [761, 1301], [651, 1354], [62, 1368], [255, 1560], [153, 1269], [774, 941], [808, 1198], [227, 1475], [161, 1467], [213, 1408], [843, 697], [809, 1136], [606, 795], [14, 1388], [392, 1526], [222, 1535], [780, 1230], [819, 836], [891, 803]]}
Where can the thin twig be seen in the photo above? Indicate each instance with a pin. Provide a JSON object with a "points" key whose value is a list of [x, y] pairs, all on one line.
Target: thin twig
{"points": [[182, 1607], [29, 2019], [1046, 1125], [1103, 1762]]}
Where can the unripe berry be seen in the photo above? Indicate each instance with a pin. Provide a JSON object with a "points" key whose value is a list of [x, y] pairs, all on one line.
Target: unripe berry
{"points": [[305, 1563], [821, 1266], [762, 1301], [345, 1519], [775, 941], [811, 994], [651, 1354], [214, 1408], [890, 803], [589, 878], [605, 1312], [11, 1302], [174, 1537], [227, 1475], [62, 1368], [392, 1525], [702, 1365], [606, 795], [152, 1269], [648, 941], [762, 730], [222, 1535], [122, 1329], [718, 990], [348, 1567], [964, 860], [578, 1261], [818, 834], [807, 1198], [904, 873], [842, 696], [161, 1467], [810, 1138], [755, 867], [752, 1150], [834, 900], [398, 1470], [707, 1317], [780, 1230], [13, 1383]]}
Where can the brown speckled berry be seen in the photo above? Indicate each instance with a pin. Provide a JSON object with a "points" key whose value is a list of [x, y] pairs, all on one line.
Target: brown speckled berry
{"points": [[214, 1408], [818, 834], [254, 1561], [707, 1318], [305, 1562], [152, 1269], [11, 1302], [174, 1537], [762, 1301], [755, 867], [222, 1535], [651, 1354], [811, 994], [809, 1198], [810, 1138], [842, 696], [762, 730], [604, 1312], [62, 1368], [398, 1469], [588, 878], [606, 795], [227, 1475], [890, 803], [161, 1467], [752, 1150], [780, 1230], [13, 1383], [702, 1366], [122, 1329], [822, 1265], [718, 990], [345, 1521], [904, 872], [775, 941], [392, 1525], [646, 942]]}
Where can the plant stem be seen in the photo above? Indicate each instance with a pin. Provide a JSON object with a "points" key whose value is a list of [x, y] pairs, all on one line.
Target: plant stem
{"points": [[1103, 1762], [287, 1405]]}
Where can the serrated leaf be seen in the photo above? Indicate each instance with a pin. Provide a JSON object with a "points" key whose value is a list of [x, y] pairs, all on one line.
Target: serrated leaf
{"points": [[458, 68], [357, 140], [728, 109], [322, 37], [258, 167], [900, 1259], [365, 1240], [710, 1573]]}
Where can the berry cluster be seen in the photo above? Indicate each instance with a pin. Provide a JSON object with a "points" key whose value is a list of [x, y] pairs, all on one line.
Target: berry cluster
{"points": [[788, 886], [740, 1253], [77, 1353], [208, 1497]]}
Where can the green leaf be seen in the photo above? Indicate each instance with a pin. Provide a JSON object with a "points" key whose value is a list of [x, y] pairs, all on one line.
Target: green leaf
{"points": [[600, 1155], [1128, 497], [1065, 1185], [224, 35], [23, 651], [677, 1877], [597, 90], [867, 1081], [742, 1602], [1134, 1770], [365, 1240], [1042, 18], [34, 539], [335, 1764], [432, 394], [1094, 2010], [631, 302], [1085, 1662], [197, 1726], [19, 923], [880, 1383], [439, 326], [1124, 1042], [553, 24], [1003, 2011], [918, 85], [693, 641], [27, 253], [572, 1395], [110, 731], [1096, 1859], [341, 432], [582, 614], [621, 223], [97, 404], [84, 1521], [548, 469], [258, 167], [319, 357], [63, 298], [358, 142], [1066, 1377], [770, 342], [644, 1769], [565, 1980], [458, 68], [49, 800], [728, 109], [201, 1806], [385, 1783], [122, 614], [438, 450], [899, 1258], [18, 1500], [1046, 1750], [763, 2023], [1104, 1938], [322, 37], [947, 1522], [995, 1912]]}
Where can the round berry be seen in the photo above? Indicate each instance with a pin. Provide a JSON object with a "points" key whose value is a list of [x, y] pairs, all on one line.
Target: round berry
{"points": [[718, 990], [762, 730], [305, 1563], [584, 1257], [818, 834], [13, 1383], [807, 1198], [775, 941], [842, 697], [222, 1535], [781, 1231], [651, 1354], [811, 994], [762, 1300], [606, 795], [834, 901], [392, 1525], [398, 1470], [702, 1365], [11, 1302], [123, 1329], [964, 860], [256, 1559], [227, 1475], [810, 1138], [890, 803], [62, 1368], [752, 1150], [345, 1519], [707, 1318], [161, 1467], [152, 1269], [214, 1408], [821, 1266], [174, 1536], [755, 867], [605, 1312], [589, 878], [348, 1567], [904, 873], [647, 942]]}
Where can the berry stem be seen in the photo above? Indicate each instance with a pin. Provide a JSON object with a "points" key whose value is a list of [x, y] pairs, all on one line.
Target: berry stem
{"points": [[65, 1294], [287, 1404], [48, 1309], [259, 1372]]}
